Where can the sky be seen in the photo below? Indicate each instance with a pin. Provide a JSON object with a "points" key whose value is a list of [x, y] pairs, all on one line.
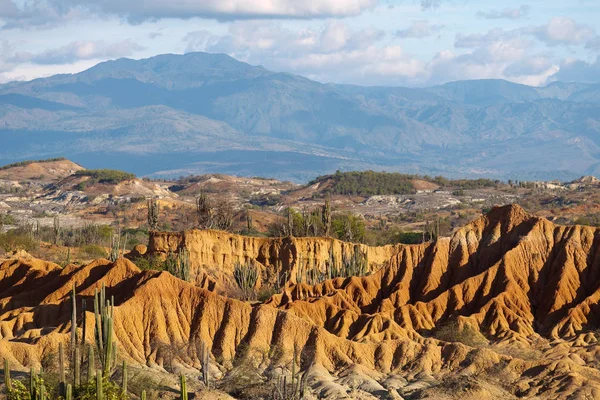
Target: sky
{"points": [[412, 43]]}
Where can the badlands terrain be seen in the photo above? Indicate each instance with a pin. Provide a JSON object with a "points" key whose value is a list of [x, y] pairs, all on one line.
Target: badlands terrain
{"points": [[497, 298]]}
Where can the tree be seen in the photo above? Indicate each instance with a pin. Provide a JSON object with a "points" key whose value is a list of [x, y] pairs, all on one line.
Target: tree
{"points": [[204, 211], [348, 227]]}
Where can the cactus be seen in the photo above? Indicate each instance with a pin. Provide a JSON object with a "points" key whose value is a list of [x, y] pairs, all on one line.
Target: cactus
{"points": [[32, 383], [99, 388], [42, 392], [61, 370], [76, 368], [83, 310], [179, 265], [183, 389], [7, 376], [57, 229], [91, 364], [326, 217], [183, 261], [69, 392], [115, 247], [246, 277], [248, 221], [153, 212], [103, 311], [124, 381], [143, 395], [73, 320]]}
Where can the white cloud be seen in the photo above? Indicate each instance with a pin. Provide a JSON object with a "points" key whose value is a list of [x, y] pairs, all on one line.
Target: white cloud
{"points": [[506, 13], [137, 11], [70, 53], [562, 31], [419, 29]]}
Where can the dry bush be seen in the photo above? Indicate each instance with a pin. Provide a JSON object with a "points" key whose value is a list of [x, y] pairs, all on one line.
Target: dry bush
{"points": [[453, 332]]}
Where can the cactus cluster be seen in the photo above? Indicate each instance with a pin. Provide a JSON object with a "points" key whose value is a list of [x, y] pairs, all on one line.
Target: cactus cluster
{"points": [[103, 312], [246, 276], [179, 264], [294, 390], [309, 272], [75, 388]]}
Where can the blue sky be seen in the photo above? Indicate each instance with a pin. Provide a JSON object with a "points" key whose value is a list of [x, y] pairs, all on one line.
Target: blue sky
{"points": [[365, 42]]}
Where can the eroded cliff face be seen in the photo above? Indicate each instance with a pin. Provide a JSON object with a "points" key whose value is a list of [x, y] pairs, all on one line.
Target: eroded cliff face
{"points": [[518, 279], [216, 253]]}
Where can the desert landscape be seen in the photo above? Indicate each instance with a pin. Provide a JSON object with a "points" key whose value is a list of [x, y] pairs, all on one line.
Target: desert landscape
{"points": [[299, 200], [250, 297]]}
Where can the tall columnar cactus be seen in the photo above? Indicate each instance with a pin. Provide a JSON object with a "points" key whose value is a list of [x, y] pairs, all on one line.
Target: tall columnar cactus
{"points": [[143, 395], [326, 216], [69, 392], [183, 388], [115, 248], [103, 311], [248, 221], [32, 379], [7, 382], [124, 375], [73, 320], [99, 388], [153, 212], [91, 364], [84, 322], [57, 229], [61, 370], [76, 368], [183, 261]]}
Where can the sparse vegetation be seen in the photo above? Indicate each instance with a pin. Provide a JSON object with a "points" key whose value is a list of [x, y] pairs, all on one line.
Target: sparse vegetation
{"points": [[108, 176], [451, 331], [29, 162]]}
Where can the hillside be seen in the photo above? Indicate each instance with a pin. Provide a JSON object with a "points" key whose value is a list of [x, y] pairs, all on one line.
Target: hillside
{"points": [[42, 170], [504, 308], [173, 115]]}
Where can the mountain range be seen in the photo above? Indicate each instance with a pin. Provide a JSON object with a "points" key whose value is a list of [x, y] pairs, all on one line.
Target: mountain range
{"points": [[173, 115]]}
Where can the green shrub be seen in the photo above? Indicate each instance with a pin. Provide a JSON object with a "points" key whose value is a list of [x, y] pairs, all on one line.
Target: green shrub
{"points": [[18, 391], [152, 263], [110, 176], [94, 251], [111, 391], [15, 240]]}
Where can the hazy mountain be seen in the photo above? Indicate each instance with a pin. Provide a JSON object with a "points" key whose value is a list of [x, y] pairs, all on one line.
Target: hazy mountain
{"points": [[199, 112]]}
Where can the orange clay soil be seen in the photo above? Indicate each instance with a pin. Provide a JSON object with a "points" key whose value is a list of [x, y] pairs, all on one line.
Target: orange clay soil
{"points": [[529, 286]]}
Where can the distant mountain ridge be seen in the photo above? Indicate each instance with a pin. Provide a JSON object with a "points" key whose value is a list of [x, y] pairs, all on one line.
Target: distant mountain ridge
{"points": [[200, 112]]}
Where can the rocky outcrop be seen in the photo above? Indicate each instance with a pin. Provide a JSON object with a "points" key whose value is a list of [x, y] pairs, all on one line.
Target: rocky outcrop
{"points": [[216, 253]]}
